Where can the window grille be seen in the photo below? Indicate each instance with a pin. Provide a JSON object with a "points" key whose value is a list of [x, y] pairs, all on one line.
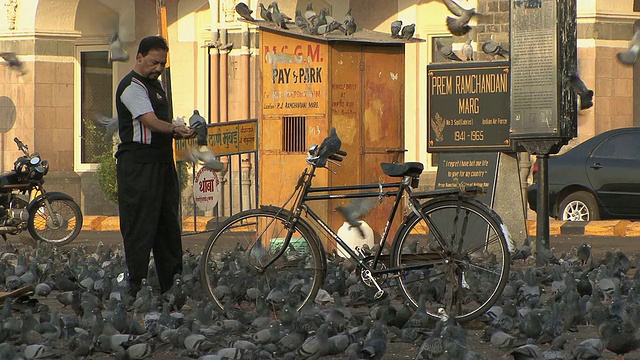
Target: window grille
{"points": [[96, 99], [294, 137]]}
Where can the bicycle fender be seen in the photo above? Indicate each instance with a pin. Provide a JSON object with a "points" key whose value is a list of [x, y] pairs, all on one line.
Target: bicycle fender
{"points": [[54, 195]]}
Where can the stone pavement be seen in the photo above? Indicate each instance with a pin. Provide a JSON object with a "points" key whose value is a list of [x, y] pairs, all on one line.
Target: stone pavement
{"points": [[556, 227]]}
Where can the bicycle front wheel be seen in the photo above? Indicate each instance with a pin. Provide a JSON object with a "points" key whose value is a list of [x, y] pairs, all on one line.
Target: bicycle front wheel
{"points": [[246, 262], [456, 257]]}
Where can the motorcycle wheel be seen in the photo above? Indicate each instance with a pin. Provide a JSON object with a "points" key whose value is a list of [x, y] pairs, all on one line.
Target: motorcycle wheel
{"points": [[59, 228]]}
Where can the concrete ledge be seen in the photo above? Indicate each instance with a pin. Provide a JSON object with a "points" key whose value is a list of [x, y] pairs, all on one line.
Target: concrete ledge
{"points": [[112, 223], [633, 229], [609, 227], [556, 227]]}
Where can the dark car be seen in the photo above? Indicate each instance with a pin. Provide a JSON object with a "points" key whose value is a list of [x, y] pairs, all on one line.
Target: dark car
{"points": [[598, 179]]}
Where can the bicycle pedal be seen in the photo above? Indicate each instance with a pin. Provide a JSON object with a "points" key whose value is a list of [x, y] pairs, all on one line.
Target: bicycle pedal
{"points": [[378, 294]]}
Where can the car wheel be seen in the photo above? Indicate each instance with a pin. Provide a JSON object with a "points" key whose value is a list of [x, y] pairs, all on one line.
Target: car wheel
{"points": [[579, 206]]}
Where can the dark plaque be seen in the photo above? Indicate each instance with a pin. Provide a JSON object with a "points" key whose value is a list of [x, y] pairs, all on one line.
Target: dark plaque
{"points": [[468, 105], [473, 169], [543, 54]]}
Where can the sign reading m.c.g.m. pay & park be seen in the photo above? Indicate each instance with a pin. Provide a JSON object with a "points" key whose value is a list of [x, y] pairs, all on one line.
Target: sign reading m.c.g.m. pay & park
{"points": [[468, 106]]}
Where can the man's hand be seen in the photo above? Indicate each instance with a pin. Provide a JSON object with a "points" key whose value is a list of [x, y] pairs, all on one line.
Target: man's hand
{"points": [[183, 132]]}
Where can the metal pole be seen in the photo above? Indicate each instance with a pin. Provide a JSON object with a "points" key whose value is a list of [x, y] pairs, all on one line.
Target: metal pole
{"points": [[542, 224]]}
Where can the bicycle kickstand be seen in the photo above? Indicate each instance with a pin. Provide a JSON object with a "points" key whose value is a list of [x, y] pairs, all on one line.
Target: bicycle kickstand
{"points": [[367, 274]]}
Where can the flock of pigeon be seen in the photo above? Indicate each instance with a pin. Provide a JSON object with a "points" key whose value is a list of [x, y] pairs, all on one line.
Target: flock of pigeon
{"points": [[81, 308], [313, 23]]}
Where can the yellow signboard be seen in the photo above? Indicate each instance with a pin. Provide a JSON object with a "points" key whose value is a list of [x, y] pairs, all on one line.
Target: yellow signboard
{"points": [[228, 138], [294, 75]]}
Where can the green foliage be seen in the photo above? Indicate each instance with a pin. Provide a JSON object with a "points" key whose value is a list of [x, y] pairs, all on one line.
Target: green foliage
{"points": [[107, 177]]}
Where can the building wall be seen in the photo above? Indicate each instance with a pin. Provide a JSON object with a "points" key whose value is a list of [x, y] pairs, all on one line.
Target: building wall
{"points": [[45, 33]]}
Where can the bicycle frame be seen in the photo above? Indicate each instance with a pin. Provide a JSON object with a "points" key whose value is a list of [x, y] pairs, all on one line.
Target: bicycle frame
{"points": [[305, 192]]}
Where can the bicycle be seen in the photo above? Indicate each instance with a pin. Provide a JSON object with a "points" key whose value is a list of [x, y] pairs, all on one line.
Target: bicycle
{"points": [[450, 252]]}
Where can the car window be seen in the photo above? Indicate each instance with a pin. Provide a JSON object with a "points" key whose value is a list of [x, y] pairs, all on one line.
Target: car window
{"points": [[621, 146]]}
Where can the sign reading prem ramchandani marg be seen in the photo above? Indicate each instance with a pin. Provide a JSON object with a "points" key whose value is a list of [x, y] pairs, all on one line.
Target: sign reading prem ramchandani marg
{"points": [[228, 138], [468, 107]]}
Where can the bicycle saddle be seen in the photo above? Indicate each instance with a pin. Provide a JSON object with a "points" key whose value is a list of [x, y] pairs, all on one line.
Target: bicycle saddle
{"points": [[413, 169]]}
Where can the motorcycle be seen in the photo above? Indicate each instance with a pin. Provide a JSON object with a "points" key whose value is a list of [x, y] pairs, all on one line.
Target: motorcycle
{"points": [[53, 217]]}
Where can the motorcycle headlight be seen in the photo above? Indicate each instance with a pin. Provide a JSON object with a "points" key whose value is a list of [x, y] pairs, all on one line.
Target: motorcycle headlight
{"points": [[35, 161]]}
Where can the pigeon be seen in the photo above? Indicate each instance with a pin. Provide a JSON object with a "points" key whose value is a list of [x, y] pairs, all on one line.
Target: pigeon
{"points": [[589, 349], [279, 18], [204, 156], [584, 253], [459, 25], [408, 31], [327, 28], [310, 15], [302, 23], [355, 211], [467, 50], [349, 24], [494, 49], [116, 52], [12, 61], [396, 27], [109, 124], [447, 52], [265, 13], [328, 147], [529, 351], [629, 57], [375, 343], [243, 10], [199, 125], [522, 251], [585, 95]]}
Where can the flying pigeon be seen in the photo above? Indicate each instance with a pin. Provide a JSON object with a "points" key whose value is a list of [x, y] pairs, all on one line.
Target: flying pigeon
{"points": [[446, 51], [116, 52], [12, 61], [349, 24], [396, 27], [265, 14], [467, 50], [459, 25], [408, 31], [109, 124], [630, 56], [203, 155], [494, 49], [355, 211], [243, 10], [585, 95]]}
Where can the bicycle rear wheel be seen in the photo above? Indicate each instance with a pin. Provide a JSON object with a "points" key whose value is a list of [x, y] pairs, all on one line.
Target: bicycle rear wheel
{"points": [[466, 271], [235, 264]]}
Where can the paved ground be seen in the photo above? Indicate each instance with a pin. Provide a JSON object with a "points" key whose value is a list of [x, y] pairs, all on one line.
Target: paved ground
{"points": [[560, 243]]}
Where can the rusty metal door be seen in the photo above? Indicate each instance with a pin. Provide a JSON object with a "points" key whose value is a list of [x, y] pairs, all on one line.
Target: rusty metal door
{"points": [[383, 120]]}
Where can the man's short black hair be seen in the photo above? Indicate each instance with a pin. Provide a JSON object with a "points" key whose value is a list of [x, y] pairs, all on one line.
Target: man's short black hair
{"points": [[152, 43]]}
